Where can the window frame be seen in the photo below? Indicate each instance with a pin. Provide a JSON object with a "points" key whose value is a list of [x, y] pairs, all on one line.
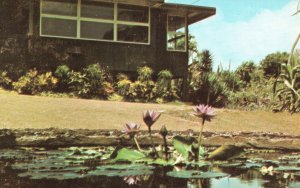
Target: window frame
{"points": [[115, 23], [185, 30]]}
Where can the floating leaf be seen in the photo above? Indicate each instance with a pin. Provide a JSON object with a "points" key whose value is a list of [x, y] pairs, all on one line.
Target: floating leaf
{"points": [[287, 168], [122, 170], [226, 152], [183, 145], [130, 155], [193, 174]]}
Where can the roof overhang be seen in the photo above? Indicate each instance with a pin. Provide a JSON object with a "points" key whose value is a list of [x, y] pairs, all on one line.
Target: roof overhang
{"points": [[193, 13]]}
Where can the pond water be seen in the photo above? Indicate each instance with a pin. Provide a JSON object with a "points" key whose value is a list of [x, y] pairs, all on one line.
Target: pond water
{"points": [[80, 167]]}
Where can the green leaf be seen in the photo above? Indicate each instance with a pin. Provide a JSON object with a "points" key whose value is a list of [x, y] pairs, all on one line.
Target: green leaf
{"points": [[183, 145], [125, 154], [226, 152], [121, 170], [194, 174], [287, 168]]}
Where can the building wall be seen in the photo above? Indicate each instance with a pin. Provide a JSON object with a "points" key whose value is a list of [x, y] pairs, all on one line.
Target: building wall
{"points": [[48, 53]]}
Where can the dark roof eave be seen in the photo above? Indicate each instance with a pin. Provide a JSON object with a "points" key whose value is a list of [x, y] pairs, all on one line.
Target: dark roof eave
{"points": [[194, 13]]}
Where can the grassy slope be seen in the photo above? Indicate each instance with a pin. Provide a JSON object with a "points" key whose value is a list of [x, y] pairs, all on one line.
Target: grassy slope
{"points": [[19, 111]]}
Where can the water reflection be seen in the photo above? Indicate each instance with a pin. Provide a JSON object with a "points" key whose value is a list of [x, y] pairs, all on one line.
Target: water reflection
{"points": [[239, 177]]}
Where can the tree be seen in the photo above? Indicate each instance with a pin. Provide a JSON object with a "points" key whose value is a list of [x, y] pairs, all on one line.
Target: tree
{"points": [[245, 70], [271, 63]]}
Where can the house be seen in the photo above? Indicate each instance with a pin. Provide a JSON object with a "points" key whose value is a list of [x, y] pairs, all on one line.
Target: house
{"points": [[121, 34]]}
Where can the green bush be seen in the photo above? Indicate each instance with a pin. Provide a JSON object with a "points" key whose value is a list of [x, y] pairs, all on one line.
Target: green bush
{"points": [[208, 89], [165, 88], [123, 87], [91, 83], [32, 83], [63, 73], [5, 81]]}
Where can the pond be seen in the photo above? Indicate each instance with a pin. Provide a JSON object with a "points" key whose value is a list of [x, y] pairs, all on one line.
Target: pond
{"points": [[84, 167]]}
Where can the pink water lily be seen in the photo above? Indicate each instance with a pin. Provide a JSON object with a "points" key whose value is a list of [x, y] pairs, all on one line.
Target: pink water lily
{"points": [[205, 112], [131, 129], [150, 117]]}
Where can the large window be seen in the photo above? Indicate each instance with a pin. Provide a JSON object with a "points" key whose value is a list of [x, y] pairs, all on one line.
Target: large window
{"points": [[95, 20], [176, 33]]}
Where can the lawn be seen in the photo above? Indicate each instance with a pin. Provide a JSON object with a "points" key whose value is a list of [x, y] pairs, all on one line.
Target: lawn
{"points": [[20, 111]]}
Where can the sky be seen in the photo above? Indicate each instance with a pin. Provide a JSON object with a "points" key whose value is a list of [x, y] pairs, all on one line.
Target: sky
{"points": [[245, 30]]}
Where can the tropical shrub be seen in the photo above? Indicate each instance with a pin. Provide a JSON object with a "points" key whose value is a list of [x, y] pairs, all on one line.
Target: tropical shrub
{"points": [[165, 87], [34, 83], [286, 88], [91, 83], [142, 89], [231, 80], [5, 81], [63, 73], [271, 63], [208, 89], [245, 70], [124, 87]]}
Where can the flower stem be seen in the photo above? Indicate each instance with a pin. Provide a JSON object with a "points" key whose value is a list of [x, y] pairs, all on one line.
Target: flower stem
{"points": [[166, 148], [152, 143], [137, 144], [200, 137]]}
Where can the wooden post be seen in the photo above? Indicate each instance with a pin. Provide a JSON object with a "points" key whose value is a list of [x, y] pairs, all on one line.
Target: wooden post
{"points": [[30, 23], [185, 76]]}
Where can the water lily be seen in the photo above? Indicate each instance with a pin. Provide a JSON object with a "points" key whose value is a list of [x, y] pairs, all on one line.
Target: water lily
{"points": [[132, 180], [150, 117], [131, 129], [164, 132], [205, 112]]}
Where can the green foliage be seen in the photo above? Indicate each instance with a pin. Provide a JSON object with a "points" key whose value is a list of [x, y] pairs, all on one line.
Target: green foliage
{"points": [[91, 83], [63, 73], [245, 70], [208, 89], [206, 61], [231, 80], [165, 87], [124, 87], [271, 63], [33, 83], [124, 154], [5, 81], [145, 74], [255, 95], [287, 89]]}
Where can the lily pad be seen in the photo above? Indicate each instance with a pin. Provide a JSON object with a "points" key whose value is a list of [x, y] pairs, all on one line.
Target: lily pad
{"points": [[194, 174], [183, 145], [122, 170], [230, 165], [226, 152], [130, 155], [287, 168]]}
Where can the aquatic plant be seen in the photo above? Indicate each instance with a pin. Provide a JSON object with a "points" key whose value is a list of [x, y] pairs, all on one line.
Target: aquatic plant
{"points": [[164, 132], [206, 113], [150, 117], [132, 129]]}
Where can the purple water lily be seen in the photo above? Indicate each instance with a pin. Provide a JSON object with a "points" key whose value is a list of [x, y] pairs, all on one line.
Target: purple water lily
{"points": [[150, 117], [205, 112], [131, 129]]}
